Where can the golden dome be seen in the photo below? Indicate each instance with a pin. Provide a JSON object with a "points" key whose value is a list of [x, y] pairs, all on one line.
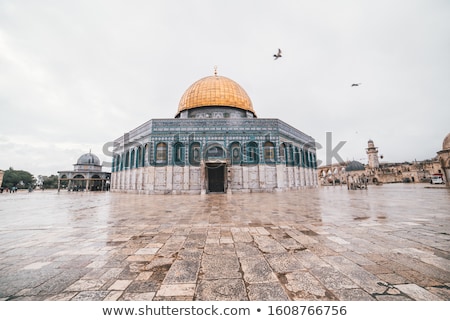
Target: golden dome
{"points": [[215, 91]]}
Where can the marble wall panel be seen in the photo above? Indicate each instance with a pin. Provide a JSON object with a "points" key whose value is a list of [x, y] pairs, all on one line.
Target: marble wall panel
{"points": [[253, 177], [160, 178], [194, 178], [236, 177]]}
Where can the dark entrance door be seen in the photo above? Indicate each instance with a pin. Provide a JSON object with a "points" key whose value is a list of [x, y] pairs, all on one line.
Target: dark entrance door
{"points": [[216, 178]]}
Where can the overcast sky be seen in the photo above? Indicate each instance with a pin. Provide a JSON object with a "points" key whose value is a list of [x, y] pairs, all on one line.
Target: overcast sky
{"points": [[75, 75]]}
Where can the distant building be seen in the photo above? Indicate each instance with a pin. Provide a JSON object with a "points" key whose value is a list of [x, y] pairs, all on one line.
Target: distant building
{"points": [[378, 173], [372, 154], [87, 175], [444, 158], [215, 144], [1, 177]]}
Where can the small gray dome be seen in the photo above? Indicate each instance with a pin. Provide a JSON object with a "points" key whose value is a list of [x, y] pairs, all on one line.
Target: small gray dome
{"points": [[88, 159], [354, 166], [446, 142]]}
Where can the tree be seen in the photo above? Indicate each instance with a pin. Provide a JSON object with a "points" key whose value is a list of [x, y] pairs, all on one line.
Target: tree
{"points": [[50, 181], [17, 178]]}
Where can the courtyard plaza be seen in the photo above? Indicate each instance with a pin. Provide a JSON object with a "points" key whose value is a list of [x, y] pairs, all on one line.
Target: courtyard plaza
{"points": [[386, 243]]}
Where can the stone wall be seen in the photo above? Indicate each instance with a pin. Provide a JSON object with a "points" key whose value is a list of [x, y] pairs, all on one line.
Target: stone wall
{"points": [[192, 180]]}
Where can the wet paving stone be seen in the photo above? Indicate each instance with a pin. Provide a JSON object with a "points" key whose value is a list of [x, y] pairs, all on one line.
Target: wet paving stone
{"points": [[284, 262], [182, 271], [221, 290], [257, 270], [390, 243], [142, 287], [90, 296], [354, 295], [304, 286], [220, 267], [267, 292]]}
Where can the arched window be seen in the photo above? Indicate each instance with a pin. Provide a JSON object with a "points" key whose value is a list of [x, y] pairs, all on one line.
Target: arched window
{"points": [[178, 154], [235, 152], [252, 153], [289, 155], [161, 154], [314, 160], [138, 156], [283, 152], [144, 155], [150, 155], [115, 165], [213, 152], [302, 157], [296, 157], [132, 163], [194, 154], [269, 152], [127, 160]]}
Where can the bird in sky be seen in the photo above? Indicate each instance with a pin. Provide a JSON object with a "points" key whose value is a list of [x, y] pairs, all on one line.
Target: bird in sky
{"points": [[356, 85], [277, 55]]}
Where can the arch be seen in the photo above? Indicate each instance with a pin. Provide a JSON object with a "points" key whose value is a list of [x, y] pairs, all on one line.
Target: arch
{"points": [[161, 153], [214, 151], [144, 154], [132, 161], [286, 154], [138, 156], [178, 154], [150, 155], [252, 153], [115, 165], [313, 160], [269, 152], [307, 159], [296, 156], [127, 160], [194, 154], [289, 155], [303, 157], [235, 153], [283, 152]]}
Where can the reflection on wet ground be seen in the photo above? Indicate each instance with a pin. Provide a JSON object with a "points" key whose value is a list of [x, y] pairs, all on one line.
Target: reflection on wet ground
{"points": [[389, 242]]}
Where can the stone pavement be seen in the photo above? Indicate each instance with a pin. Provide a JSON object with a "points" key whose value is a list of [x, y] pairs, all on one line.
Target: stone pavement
{"points": [[389, 242]]}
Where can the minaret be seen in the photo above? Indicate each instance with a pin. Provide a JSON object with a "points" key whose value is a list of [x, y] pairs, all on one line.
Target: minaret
{"points": [[372, 153]]}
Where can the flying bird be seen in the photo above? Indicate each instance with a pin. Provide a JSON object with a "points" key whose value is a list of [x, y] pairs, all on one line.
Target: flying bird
{"points": [[356, 85], [277, 55]]}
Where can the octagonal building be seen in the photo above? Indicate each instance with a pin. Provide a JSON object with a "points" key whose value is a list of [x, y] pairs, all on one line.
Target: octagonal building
{"points": [[214, 144]]}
